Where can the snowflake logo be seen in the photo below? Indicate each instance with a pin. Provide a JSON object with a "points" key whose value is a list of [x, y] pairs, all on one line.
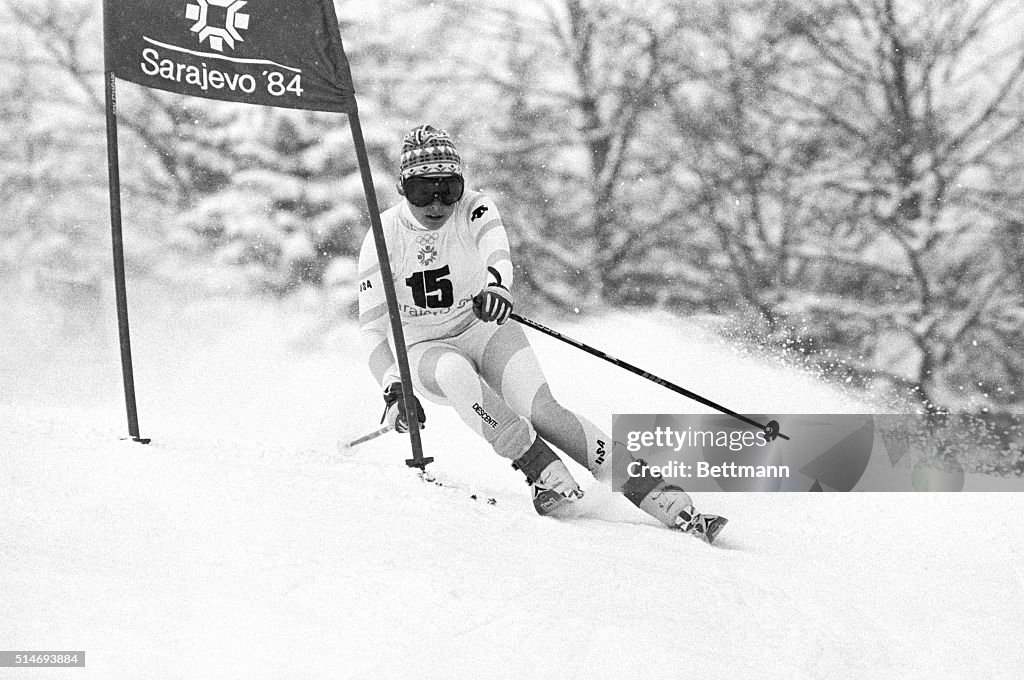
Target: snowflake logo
{"points": [[233, 22], [427, 255]]}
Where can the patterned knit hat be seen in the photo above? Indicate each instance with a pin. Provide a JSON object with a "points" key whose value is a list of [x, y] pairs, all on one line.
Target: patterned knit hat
{"points": [[427, 150]]}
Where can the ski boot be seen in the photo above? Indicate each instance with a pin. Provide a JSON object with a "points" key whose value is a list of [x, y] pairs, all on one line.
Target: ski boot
{"points": [[552, 485], [671, 505]]}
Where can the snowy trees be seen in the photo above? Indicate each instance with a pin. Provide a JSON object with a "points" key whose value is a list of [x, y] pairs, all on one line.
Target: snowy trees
{"points": [[287, 210], [54, 116], [743, 162], [847, 167], [922, 114], [572, 85], [51, 195]]}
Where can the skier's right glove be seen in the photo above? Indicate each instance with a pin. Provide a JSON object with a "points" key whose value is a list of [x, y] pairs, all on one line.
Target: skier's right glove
{"points": [[394, 409]]}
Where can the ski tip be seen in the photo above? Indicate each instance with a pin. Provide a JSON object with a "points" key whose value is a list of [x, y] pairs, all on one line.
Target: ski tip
{"points": [[705, 526], [714, 528]]}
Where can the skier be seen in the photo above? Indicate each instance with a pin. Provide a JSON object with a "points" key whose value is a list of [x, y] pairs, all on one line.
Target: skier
{"points": [[452, 270]]}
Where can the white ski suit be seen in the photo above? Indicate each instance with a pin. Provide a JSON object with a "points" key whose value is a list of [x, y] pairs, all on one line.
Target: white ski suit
{"points": [[486, 372]]}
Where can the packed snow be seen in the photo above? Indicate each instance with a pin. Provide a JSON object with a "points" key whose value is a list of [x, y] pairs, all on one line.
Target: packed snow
{"points": [[240, 544]]}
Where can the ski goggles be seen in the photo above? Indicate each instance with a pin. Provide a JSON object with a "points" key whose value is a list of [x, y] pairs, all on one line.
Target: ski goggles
{"points": [[421, 190]]}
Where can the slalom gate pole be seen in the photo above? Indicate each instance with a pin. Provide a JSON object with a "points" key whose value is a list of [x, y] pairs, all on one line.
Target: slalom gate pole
{"points": [[771, 428], [117, 241], [418, 460]]}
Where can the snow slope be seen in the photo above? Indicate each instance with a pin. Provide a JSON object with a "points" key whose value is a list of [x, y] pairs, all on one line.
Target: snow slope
{"points": [[240, 545]]}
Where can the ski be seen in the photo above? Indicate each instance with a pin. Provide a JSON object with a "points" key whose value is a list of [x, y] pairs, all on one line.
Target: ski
{"points": [[706, 527]]}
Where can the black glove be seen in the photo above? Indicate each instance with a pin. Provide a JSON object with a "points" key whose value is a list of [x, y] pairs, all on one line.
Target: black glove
{"points": [[394, 409], [493, 303]]}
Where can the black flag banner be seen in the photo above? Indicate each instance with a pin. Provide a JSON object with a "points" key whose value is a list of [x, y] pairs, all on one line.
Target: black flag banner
{"points": [[284, 53]]}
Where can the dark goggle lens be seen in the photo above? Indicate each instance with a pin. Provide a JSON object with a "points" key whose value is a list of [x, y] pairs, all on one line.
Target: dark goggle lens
{"points": [[421, 190]]}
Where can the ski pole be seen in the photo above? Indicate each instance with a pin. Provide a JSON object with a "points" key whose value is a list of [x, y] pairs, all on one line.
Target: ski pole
{"points": [[346, 447], [771, 428]]}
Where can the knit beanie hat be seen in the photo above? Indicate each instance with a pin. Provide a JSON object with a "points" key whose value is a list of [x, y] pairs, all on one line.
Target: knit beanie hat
{"points": [[427, 150]]}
